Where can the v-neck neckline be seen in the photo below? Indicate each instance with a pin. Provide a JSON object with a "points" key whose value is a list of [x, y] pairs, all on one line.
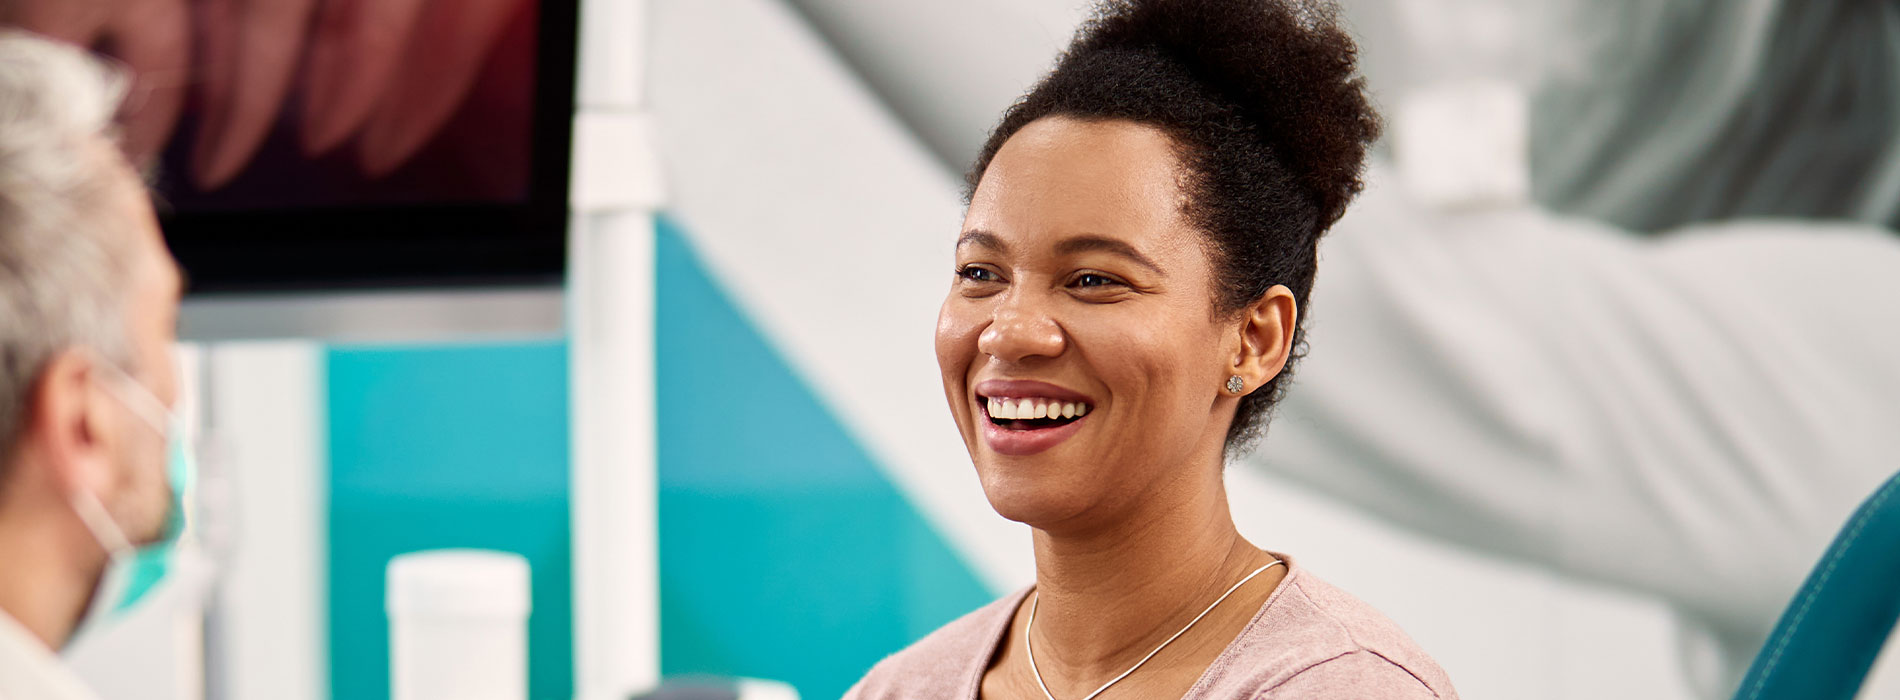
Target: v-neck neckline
{"points": [[973, 689]]}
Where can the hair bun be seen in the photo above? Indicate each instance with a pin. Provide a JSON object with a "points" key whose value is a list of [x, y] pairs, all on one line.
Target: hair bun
{"points": [[1285, 65]]}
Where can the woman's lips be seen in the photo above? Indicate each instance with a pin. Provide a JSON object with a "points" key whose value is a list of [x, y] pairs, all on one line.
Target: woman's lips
{"points": [[1029, 431], [1018, 442], [1016, 388]]}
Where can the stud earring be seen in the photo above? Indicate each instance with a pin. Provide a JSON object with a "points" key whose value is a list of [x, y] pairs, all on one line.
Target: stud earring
{"points": [[1235, 384]]}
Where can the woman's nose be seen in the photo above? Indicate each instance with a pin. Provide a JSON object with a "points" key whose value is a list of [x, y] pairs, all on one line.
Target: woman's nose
{"points": [[1019, 331]]}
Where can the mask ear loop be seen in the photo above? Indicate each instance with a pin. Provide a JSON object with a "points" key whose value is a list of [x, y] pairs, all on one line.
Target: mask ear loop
{"points": [[91, 511], [138, 398], [93, 514]]}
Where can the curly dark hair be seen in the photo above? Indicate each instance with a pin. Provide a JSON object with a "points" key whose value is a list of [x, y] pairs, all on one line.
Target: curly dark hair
{"points": [[1267, 115]]}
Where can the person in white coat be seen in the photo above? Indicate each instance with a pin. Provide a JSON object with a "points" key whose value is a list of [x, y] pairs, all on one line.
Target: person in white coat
{"points": [[90, 463]]}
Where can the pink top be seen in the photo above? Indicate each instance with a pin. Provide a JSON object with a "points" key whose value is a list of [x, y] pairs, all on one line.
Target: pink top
{"points": [[1309, 640]]}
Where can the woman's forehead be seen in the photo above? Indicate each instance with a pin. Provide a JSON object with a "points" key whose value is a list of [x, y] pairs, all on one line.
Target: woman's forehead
{"points": [[1103, 161], [1059, 178]]}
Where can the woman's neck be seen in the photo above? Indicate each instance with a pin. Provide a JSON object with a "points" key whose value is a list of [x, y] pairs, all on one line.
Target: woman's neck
{"points": [[1105, 598]]}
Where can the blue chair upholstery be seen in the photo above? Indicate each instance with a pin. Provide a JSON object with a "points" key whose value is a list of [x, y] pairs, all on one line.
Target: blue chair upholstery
{"points": [[1835, 626]]}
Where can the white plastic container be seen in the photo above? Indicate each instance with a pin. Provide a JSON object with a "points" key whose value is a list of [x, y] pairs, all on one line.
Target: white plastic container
{"points": [[458, 625]]}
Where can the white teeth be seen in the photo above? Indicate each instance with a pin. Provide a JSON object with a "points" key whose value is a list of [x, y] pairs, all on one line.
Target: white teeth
{"points": [[1031, 409]]}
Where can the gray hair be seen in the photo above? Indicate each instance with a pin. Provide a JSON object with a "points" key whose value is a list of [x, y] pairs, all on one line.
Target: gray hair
{"points": [[61, 267]]}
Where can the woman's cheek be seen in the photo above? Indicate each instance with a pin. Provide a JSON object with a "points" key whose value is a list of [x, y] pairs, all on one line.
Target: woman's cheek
{"points": [[959, 325], [1134, 358], [956, 338]]}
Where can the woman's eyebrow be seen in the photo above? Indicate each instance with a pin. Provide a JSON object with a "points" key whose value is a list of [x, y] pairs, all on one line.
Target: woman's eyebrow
{"points": [[977, 236], [1083, 244]]}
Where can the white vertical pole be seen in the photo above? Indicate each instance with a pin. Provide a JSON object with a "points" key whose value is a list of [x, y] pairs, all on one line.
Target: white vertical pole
{"points": [[265, 478], [611, 309], [614, 501]]}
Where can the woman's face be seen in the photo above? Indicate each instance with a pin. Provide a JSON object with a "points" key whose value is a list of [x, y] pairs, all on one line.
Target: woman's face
{"points": [[1080, 348]]}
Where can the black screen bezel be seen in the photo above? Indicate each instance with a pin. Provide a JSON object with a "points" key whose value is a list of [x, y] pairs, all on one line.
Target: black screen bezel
{"points": [[310, 249]]}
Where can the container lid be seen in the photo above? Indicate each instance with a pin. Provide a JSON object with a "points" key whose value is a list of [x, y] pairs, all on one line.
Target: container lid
{"points": [[458, 583]]}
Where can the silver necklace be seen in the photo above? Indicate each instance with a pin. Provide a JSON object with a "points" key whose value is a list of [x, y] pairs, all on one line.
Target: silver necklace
{"points": [[1031, 647]]}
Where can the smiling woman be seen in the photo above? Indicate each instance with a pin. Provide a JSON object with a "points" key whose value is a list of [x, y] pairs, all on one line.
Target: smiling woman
{"points": [[1139, 246]]}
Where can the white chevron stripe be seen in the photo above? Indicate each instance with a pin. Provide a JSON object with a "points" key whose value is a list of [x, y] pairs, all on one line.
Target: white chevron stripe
{"points": [[817, 211]]}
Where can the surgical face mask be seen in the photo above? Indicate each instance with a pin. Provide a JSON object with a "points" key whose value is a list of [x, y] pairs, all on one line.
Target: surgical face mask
{"points": [[134, 571]]}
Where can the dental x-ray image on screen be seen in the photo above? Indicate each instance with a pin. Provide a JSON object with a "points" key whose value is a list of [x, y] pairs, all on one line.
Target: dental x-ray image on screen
{"points": [[301, 144]]}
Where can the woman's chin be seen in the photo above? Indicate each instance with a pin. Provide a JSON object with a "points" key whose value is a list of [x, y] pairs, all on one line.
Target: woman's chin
{"points": [[1037, 505]]}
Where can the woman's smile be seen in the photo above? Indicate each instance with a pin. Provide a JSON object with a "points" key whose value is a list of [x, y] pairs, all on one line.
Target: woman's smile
{"points": [[1023, 417]]}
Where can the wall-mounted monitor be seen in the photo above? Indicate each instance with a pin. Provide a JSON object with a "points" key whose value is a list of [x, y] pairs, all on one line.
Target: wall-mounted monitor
{"points": [[340, 144]]}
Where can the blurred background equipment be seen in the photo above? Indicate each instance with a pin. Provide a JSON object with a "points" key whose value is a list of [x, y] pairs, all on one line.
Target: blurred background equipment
{"points": [[709, 688], [1828, 637], [458, 625]]}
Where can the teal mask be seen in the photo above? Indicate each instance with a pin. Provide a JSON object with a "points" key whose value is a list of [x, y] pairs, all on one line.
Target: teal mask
{"points": [[151, 562], [135, 571]]}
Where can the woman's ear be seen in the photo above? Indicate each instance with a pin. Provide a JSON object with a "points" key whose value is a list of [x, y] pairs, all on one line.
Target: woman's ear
{"points": [[1266, 337]]}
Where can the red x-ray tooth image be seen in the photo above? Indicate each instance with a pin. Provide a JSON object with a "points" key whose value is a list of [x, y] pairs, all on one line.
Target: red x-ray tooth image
{"points": [[247, 104]]}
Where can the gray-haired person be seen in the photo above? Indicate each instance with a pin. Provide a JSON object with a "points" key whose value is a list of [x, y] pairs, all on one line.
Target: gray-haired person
{"points": [[88, 302]]}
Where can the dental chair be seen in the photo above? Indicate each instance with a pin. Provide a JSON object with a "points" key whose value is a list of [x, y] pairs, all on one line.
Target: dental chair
{"points": [[1837, 623]]}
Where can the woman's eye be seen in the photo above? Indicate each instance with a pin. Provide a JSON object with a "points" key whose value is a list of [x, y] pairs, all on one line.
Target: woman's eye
{"points": [[977, 274]]}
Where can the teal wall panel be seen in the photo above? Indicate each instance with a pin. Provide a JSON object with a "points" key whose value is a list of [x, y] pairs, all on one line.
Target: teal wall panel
{"points": [[447, 446], [785, 552]]}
